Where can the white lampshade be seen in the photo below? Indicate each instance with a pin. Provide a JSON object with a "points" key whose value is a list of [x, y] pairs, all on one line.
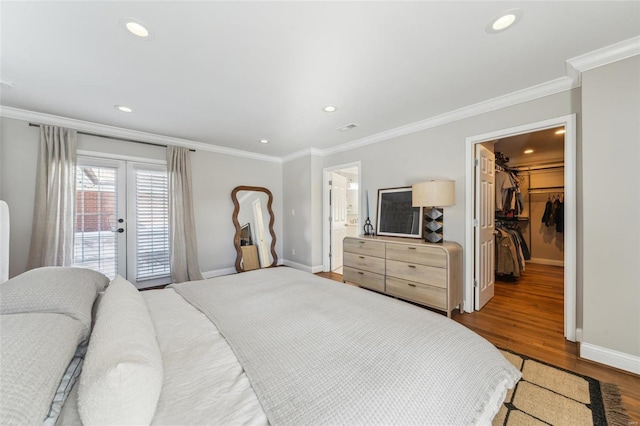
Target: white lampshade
{"points": [[434, 193]]}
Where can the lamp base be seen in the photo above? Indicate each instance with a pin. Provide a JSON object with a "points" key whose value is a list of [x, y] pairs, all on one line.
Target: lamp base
{"points": [[433, 225]]}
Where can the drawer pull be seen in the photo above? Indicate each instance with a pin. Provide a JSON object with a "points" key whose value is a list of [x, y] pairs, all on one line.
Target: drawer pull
{"points": [[361, 242], [361, 273], [411, 266], [411, 285], [361, 257], [411, 248]]}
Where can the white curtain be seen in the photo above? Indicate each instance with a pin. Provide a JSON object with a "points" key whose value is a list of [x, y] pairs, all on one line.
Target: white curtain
{"points": [[55, 200], [182, 229]]}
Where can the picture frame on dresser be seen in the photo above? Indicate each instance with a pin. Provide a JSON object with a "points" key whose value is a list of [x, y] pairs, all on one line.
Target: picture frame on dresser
{"points": [[396, 216]]}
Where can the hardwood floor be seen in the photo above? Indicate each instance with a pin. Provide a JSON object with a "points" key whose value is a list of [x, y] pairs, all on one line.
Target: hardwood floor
{"points": [[526, 316]]}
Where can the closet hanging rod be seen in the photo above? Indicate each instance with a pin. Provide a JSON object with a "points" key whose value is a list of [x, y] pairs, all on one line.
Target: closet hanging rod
{"points": [[547, 187], [115, 138], [538, 167]]}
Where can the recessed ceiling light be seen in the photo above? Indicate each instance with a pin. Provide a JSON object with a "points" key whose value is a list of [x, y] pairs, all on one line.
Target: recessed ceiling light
{"points": [[329, 108], [123, 108], [264, 141], [528, 151], [503, 21], [560, 132], [137, 28]]}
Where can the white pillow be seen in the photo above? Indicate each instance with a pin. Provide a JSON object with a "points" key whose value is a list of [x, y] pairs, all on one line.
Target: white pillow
{"points": [[122, 373]]}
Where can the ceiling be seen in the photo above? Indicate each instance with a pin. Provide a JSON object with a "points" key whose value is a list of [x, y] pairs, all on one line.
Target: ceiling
{"points": [[232, 73], [547, 146]]}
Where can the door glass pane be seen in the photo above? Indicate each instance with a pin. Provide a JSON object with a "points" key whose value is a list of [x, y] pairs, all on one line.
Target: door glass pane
{"points": [[95, 242]]}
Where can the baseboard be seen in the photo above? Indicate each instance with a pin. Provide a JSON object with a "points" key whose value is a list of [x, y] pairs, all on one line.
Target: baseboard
{"points": [[300, 266], [546, 261], [578, 335], [219, 272], [610, 357]]}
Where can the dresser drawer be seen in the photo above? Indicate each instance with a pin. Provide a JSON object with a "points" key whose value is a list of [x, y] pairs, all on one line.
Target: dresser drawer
{"points": [[432, 256], [364, 278], [416, 272], [420, 293], [367, 263], [364, 246]]}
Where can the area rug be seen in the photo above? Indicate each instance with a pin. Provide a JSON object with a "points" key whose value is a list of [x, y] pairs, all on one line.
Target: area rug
{"points": [[549, 395]]}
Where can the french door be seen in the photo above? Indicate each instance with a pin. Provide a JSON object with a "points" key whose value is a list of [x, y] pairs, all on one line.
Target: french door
{"points": [[122, 220]]}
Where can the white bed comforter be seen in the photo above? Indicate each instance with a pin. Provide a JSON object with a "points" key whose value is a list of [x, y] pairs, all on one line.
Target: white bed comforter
{"points": [[319, 352], [203, 381]]}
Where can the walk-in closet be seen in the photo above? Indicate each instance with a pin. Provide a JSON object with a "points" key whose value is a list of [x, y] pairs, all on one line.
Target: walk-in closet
{"points": [[529, 208]]}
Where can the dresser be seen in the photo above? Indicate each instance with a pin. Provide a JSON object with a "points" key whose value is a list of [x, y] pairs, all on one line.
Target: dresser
{"points": [[410, 269]]}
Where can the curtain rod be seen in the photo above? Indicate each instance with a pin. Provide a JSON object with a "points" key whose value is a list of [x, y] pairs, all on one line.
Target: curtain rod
{"points": [[115, 138]]}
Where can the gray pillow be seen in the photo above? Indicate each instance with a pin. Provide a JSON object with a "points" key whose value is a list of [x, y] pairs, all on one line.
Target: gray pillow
{"points": [[35, 349], [60, 290]]}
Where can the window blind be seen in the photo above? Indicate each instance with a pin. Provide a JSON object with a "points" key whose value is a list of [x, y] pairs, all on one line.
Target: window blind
{"points": [[152, 224]]}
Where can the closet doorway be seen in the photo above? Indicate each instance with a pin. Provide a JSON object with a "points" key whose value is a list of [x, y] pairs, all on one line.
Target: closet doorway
{"points": [[545, 174]]}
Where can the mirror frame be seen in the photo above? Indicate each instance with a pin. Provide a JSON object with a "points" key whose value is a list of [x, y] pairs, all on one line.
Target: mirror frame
{"points": [[236, 210]]}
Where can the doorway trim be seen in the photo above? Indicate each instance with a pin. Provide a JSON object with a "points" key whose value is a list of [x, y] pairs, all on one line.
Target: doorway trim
{"points": [[326, 209], [570, 230]]}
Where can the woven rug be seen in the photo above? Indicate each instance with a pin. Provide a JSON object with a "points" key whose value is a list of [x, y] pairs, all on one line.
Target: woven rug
{"points": [[548, 395]]}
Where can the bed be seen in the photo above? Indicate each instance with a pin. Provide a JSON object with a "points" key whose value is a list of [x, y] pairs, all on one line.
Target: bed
{"points": [[272, 346]]}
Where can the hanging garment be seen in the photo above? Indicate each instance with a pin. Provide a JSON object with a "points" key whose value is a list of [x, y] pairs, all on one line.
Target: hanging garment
{"points": [[560, 217], [502, 180], [551, 220], [506, 254], [547, 211]]}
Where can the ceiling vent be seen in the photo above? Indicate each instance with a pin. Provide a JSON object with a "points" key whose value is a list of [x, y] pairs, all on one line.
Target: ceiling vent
{"points": [[347, 127]]}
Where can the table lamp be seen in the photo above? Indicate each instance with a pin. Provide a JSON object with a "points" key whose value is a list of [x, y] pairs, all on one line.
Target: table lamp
{"points": [[433, 195]]}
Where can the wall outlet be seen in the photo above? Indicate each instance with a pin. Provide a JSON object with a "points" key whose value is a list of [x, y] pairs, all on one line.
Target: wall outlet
{"points": [[293, 252]]}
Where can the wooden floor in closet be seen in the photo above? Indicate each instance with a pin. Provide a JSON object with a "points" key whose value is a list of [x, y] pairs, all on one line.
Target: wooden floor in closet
{"points": [[526, 316]]}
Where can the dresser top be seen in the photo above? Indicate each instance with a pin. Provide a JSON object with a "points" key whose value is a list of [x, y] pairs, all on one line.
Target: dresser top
{"points": [[447, 245]]}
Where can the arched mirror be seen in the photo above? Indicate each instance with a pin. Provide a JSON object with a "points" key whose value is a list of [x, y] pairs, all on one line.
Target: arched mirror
{"points": [[253, 218]]}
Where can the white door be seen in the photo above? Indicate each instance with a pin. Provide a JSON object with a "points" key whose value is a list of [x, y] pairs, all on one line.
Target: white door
{"points": [[100, 240], [484, 255], [122, 220], [338, 218]]}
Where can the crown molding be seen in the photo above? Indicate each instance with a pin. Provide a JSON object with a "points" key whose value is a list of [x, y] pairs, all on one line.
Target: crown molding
{"points": [[119, 132], [606, 55], [314, 152], [534, 92]]}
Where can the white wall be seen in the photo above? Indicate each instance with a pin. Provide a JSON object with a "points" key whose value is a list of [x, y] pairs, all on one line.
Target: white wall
{"points": [[214, 177], [611, 202], [299, 190]]}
